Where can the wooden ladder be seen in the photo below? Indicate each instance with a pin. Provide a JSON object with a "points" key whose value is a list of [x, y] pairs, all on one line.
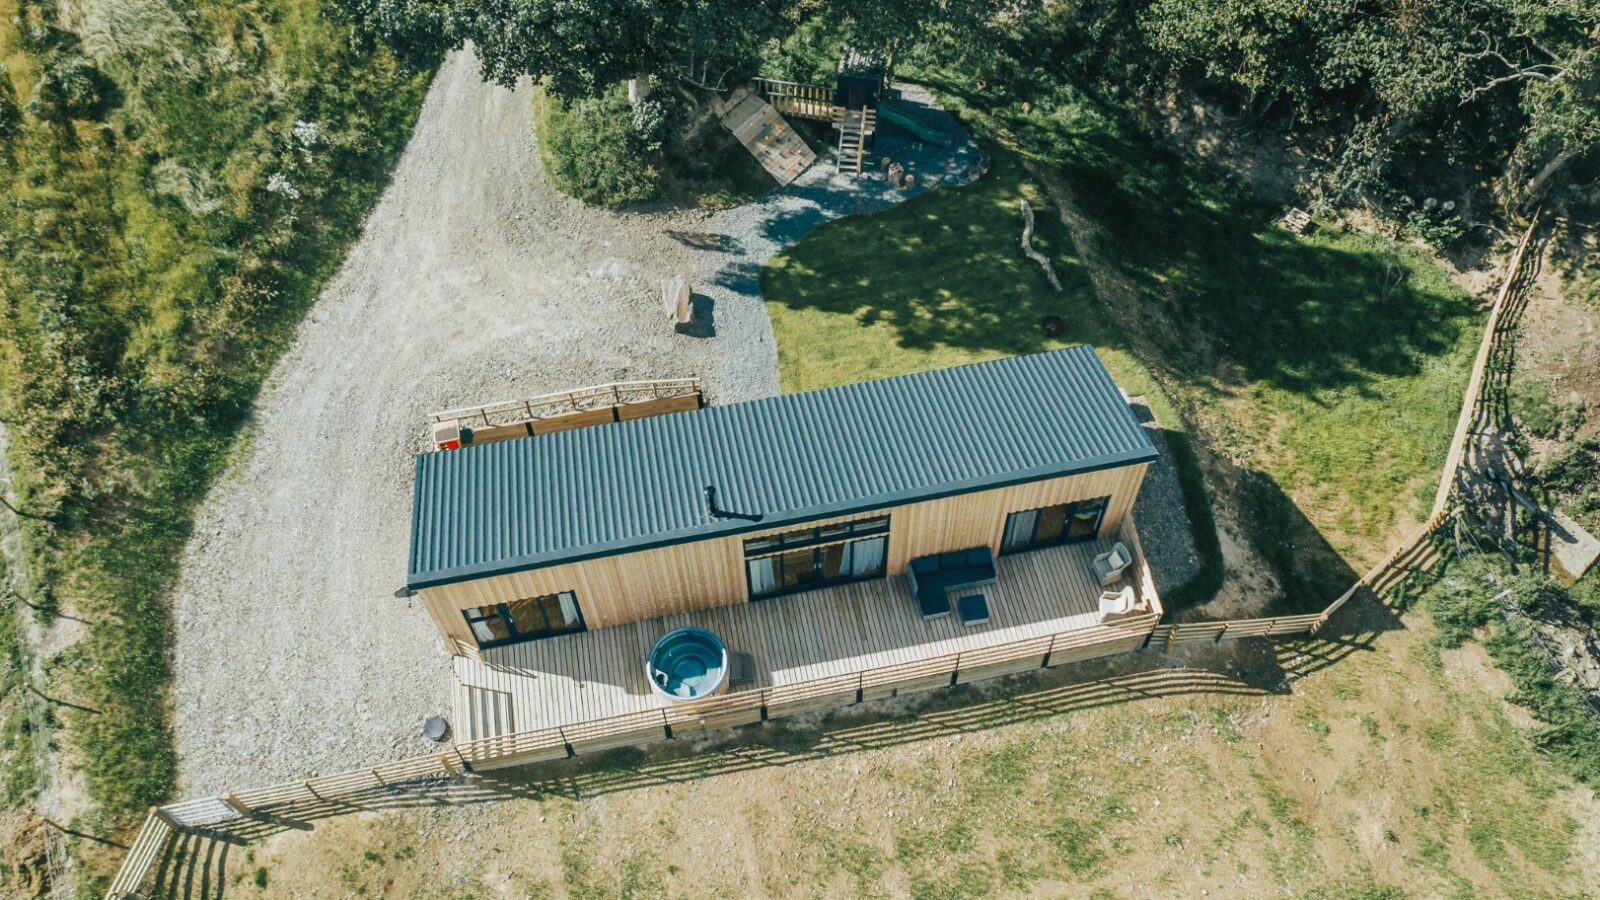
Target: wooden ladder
{"points": [[854, 127]]}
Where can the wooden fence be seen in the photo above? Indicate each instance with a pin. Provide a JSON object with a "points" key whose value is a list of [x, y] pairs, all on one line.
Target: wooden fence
{"points": [[1417, 552], [602, 396], [791, 98]]}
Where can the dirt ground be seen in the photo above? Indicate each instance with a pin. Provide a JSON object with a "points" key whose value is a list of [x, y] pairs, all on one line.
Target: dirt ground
{"points": [[1319, 769], [473, 282]]}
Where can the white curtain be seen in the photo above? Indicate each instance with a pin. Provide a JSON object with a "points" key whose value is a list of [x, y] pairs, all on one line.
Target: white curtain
{"points": [[1019, 528], [866, 557], [763, 578]]}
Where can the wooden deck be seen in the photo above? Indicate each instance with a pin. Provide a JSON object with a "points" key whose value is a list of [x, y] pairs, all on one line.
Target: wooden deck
{"points": [[801, 637]]}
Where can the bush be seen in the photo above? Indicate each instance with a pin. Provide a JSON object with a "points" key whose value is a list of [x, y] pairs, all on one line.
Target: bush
{"points": [[602, 150], [10, 115], [70, 87]]}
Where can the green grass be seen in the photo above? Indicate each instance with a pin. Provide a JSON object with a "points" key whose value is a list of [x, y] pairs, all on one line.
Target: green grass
{"points": [[1326, 370], [159, 249], [939, 281]]}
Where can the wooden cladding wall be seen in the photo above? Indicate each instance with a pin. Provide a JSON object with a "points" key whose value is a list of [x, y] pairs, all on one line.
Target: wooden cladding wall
{"points": [[710, 573]]}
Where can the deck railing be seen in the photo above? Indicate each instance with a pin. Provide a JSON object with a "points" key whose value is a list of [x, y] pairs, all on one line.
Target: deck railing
{"points": [[791, 98], [510, 412]]}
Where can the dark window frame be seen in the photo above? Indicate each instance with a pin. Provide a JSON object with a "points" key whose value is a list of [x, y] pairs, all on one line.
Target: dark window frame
{"points": [[816, 549], [1072, 510], [502, 612], [837, 533]]}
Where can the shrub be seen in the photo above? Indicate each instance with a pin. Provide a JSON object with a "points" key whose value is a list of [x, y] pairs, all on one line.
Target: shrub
{"points": [[70, 87], [10, 114], [601, 150]]}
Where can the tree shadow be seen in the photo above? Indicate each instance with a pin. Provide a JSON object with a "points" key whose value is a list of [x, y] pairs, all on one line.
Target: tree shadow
{"points": [[1241, 300]]}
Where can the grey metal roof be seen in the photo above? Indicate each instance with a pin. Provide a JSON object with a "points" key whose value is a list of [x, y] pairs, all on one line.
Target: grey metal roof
{"points": [[522, 504]]}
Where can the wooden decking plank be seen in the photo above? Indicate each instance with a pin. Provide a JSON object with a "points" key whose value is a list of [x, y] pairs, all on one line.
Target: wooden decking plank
{"points": [[797, 638]]}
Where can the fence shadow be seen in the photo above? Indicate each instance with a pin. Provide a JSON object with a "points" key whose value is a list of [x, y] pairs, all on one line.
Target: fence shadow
{"points": [[196, 862]]}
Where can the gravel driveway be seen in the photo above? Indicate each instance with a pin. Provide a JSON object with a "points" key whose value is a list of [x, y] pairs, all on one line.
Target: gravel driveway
{"points": [[473, 281]]}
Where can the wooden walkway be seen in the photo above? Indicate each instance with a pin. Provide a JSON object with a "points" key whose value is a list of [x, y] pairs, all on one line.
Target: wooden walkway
{"points": [[832, 631]]}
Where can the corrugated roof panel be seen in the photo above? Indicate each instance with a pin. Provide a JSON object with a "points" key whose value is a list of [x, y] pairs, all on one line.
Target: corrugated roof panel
{"points": [[532, 502]]}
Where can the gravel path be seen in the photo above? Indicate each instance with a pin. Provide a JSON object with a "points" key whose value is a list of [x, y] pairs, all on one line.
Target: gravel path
{"points": [[473, 281]]}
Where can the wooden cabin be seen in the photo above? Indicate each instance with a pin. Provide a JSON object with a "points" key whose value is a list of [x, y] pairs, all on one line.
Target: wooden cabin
{"points": [[584, 529]]}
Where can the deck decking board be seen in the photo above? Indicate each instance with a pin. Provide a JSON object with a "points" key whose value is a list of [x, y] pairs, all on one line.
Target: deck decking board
{"points": [[801, 637]]}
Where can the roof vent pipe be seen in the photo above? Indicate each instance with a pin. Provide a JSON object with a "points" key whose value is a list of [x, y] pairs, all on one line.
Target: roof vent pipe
{"points": [[711, 502]]}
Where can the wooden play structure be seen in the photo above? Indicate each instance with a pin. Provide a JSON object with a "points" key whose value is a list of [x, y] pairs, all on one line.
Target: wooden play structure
{"points": [[755, 115], [770, 139]]}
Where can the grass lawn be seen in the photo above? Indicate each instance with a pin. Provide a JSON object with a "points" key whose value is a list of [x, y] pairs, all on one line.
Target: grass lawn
{"points": [[1324, 372], [940, 281]]}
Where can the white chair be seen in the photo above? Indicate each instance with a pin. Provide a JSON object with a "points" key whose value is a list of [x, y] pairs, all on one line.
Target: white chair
{"points": [[1108, 566], [1117, 603]]}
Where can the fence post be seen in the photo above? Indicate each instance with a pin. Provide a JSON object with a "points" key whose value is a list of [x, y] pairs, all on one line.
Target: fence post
{"points": [[237, 805], [1172, 636], [378, 778], [166, 817], [311, 790], [1268, 632], [1221, 633]]}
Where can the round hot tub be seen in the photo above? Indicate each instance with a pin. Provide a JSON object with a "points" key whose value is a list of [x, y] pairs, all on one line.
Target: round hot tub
{"points": [[687, 664]]}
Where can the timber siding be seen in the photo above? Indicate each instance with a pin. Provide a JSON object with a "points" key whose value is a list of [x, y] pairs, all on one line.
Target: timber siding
{"points": [[705, 574]]}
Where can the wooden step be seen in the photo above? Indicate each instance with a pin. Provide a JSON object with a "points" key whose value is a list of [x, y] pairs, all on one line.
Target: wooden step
{"points": [[482, 713]]}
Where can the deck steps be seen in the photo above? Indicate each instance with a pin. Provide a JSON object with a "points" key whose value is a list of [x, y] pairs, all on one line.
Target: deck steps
{"points": [[482, 713]]}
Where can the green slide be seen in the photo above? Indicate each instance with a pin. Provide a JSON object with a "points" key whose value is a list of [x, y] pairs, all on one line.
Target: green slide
{"points": [[910, 118]]}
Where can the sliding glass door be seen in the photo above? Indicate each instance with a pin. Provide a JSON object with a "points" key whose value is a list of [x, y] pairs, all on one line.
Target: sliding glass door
{"points": [[1049, 526], [816, 557]]}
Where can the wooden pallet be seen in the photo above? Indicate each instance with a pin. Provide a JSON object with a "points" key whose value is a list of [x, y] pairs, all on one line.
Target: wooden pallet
{"points": [[770, 139]]}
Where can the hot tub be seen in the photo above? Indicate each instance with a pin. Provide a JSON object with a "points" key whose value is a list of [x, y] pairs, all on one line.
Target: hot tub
{"points": [[687, 664]]}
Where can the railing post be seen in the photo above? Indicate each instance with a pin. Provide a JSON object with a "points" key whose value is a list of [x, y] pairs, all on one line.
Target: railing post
{"points": [[861, 680], [956, 673], [1045, 663], [1224, 631], [237, 805], [666, 725], [311, 790], [378, 778], [1172, 636], [466, 767], [1270, 625], [566, 743], [166, 817]]}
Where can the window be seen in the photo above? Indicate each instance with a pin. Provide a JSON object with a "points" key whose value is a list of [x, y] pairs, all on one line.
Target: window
{"points": [[524, 620], [1048, 526], [814, 557]]}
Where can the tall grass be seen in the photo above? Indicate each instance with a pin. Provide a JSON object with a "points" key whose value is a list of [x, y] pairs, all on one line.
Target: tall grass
{"points": [[181, 180]]}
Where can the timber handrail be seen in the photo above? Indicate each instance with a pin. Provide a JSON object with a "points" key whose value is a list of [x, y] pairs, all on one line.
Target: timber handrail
{"points": [[563, 402], [1469, 403]]}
